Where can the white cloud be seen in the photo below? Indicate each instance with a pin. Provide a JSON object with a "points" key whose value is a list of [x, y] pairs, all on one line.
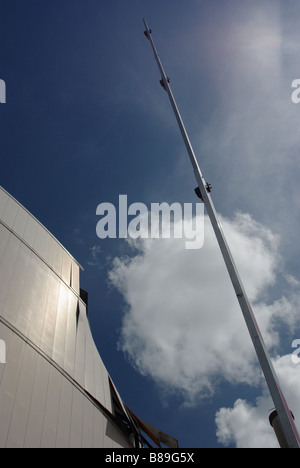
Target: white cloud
{"points": [[182, 324], [95, 253], [247, 426]]}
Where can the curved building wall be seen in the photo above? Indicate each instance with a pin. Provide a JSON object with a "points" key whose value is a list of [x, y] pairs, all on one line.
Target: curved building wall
{"points": [[54, 388]]}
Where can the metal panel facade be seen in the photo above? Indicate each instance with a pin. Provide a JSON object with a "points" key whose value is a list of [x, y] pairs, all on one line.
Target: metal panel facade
{"points": [[54, 387]]}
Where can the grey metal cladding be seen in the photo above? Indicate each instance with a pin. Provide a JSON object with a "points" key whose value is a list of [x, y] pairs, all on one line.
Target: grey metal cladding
{"points": [[52, 363]]}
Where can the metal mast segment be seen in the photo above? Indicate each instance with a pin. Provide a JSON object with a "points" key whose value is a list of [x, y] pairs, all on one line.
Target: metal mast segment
{"points": [[203, 190]]}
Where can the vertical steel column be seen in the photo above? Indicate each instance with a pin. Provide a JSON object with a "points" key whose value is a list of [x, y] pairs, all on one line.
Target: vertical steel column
{"points": [[280, 404]]}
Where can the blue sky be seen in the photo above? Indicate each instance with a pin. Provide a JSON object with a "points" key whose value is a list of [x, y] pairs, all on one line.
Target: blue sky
{"points": [[86, 120]]}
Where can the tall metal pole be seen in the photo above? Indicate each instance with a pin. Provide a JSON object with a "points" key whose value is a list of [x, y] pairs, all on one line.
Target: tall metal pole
{"points": [[284, 414]]}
